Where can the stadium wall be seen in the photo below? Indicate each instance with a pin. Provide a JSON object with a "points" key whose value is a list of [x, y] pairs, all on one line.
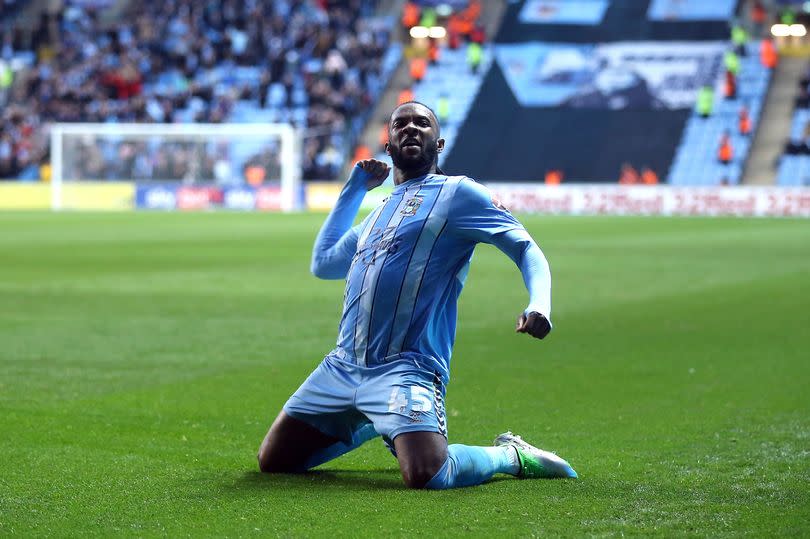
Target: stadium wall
{"points": [[597, 199], [573, 199], [108, 196], [654, 200]]}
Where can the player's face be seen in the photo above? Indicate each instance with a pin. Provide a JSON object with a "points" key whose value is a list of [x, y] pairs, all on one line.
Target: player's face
{"points": [[413, 137]]}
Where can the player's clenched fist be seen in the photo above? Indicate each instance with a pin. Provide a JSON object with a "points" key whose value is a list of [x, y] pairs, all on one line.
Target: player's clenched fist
{"points": [[535, 325], [377, 171]]}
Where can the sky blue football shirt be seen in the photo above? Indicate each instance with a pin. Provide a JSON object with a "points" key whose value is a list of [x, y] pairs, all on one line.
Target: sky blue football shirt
{"points": [[406, 263]]}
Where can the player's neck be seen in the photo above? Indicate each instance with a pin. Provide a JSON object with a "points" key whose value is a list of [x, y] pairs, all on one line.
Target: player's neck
{"points": [[402, 176]]}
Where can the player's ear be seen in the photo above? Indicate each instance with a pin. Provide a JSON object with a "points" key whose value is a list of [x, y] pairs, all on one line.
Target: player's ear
{"points": [[440, 145], [388, 148]]}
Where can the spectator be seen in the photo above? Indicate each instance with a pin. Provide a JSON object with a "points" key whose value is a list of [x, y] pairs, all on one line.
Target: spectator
{"points": [[433, 52], [648, 176], [6, 79], [478, 34], [428, 17], [725, 152], [405, 95], [788, 16], [418, 67], [383, 136], [705, 101], [8, 165], [361, 153], [629, 175], [410, 15], [739, 38], [255, 174], [453, 38], [474, 53], [473, 10], [767, 53], [730, 86], [443, 108], [744, 121], [759, 16], [554, 177], [732, 62]]}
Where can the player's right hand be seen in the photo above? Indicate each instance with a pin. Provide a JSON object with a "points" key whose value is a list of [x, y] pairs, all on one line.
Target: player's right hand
{"points": [[376, 170]]}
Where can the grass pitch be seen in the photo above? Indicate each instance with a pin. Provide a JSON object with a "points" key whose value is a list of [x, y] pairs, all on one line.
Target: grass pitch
{"points": [[143, 357]]}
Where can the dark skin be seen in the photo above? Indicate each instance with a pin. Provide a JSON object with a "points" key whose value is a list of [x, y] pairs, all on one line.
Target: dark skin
{"points": [[414, 145]]}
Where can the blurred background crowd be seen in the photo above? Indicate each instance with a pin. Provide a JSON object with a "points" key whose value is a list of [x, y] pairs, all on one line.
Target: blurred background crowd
{"points": [[314, 64], [329, 67]]}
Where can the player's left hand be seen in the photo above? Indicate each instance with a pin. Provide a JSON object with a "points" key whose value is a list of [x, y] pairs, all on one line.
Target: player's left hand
{"points": [[535, 325]]}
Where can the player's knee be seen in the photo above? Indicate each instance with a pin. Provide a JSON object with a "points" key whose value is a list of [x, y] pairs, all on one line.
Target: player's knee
{"points": [[419, 475], [269, 464], [264, 463]]}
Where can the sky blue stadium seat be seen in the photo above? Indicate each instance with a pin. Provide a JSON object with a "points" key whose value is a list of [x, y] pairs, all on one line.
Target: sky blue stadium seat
{"points": [[452, 76], [695, 161]]}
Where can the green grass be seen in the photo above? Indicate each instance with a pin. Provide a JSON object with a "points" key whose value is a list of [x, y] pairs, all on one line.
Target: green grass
{"points": [[144, 355]]}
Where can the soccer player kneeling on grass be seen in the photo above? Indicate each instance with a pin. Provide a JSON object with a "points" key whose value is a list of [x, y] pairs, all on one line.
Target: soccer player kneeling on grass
{"points": [[405, 266]]}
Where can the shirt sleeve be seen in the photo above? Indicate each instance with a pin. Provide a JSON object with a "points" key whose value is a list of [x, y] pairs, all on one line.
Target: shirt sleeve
{"points": [[337, 240], [475, 216], [527, 255]]}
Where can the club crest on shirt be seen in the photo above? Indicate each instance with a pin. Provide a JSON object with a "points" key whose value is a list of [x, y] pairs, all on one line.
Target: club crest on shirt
{"points": [[498, 204], [411, 207]]}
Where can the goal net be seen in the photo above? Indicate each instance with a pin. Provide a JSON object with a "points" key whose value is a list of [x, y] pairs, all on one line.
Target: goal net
{"points": [[178, 166]]}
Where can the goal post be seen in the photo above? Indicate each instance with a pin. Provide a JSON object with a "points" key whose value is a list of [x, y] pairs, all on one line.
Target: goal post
{"points": [[188, 155]]}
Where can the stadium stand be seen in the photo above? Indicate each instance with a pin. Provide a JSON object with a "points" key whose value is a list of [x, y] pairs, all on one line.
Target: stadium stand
{"points": [[586, 96], [566, 82], [318, 65], [449, 72], [451, 78], [696, 161], [794, 164]]}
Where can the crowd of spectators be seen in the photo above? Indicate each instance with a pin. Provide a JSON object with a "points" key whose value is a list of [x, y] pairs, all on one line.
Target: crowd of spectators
{"points": [[8, 8], [181, 60], [189, 162]]}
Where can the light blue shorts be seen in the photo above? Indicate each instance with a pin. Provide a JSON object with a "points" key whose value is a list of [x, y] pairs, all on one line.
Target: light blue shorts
{"points": [[339, 398]]}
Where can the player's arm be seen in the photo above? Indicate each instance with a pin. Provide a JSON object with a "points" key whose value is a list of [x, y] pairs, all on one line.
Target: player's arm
{"points": [[337, 240], [522, 249], [479, 218]]}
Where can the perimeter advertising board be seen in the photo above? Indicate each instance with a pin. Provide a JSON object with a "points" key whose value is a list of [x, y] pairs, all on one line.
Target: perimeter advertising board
{"points": [[657, 200], [188, 198]]}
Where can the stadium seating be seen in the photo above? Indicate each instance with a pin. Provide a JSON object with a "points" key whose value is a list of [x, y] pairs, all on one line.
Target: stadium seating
{"points": [[191, 64], [794, 171], [624, 99], [453, 77], [695, 161], [794, 165]]}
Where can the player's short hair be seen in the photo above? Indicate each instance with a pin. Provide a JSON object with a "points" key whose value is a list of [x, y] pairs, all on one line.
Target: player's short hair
{"points": [[432, 113], [435, 120]]}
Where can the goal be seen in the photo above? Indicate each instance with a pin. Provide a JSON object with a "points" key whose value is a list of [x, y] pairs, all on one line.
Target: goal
{"points": [[179, 166]]}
